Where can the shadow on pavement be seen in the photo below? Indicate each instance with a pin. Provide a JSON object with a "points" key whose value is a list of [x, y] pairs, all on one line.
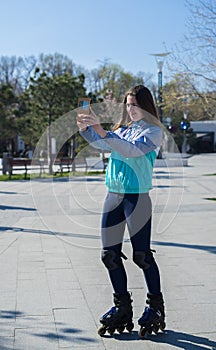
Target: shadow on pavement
{"points": [[167, 186], [70, 335], [208, 248], [86, 178], [8, 192], [177, 339], [3, 347], [47, 232], [184, 340], [9, 207], [8, 314]]}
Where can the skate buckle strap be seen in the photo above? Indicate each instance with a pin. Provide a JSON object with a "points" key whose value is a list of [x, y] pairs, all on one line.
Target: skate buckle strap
{"points": [[123, 256], [111, 311], [158, 313]]}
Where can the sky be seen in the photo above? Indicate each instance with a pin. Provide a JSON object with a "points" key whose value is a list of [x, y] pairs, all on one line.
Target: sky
{"points": [[91, 31]]}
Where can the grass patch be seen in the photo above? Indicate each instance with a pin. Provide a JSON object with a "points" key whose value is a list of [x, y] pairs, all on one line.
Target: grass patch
{"points": [[18, 177], [214, 174], [14, 177], [211, 199]]}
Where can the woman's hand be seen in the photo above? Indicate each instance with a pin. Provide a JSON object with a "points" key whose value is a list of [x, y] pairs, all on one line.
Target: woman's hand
{"points": [[92, 119], [81, 122]]}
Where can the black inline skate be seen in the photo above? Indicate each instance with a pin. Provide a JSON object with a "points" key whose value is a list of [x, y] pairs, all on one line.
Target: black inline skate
{"points": [[119, 316], [153, 317]]}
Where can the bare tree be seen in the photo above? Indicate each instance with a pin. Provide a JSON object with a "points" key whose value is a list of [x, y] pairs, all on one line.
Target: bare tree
{"points": [[202, 36], [16, 71], [55, 64], [196, 53], [111, 76]]}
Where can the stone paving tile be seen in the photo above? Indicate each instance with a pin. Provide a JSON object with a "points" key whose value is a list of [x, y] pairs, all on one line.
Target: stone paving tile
{"points": [[7, 343], [74, 327], [36, 338]]}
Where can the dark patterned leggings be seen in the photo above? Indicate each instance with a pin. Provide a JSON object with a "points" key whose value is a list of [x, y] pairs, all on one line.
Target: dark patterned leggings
{"points": [[133, 210]]}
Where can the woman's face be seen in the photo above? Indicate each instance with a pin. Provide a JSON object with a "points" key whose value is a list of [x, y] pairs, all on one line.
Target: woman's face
{"points": [[133, 109]]}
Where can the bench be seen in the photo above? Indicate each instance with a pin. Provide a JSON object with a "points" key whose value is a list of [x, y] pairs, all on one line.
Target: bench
{"points": [[25, 164], [71, 164], [80, 163], [64, 162]]}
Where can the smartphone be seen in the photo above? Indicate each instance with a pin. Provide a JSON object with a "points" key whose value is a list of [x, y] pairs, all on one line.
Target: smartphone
{"points": [[84, 105]]}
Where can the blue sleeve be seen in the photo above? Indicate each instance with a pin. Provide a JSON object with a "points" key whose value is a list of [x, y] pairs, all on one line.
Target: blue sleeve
{"points": [[94, 139], [130, 149]]}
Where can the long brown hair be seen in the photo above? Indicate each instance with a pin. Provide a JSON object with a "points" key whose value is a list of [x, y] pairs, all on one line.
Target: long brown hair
{"points": [[145, 101]]}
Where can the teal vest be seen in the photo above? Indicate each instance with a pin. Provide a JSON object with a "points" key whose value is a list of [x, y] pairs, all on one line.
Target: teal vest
{"points": [[130, 175]]}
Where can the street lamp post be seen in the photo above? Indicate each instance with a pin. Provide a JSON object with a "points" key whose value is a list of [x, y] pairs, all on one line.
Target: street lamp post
{"points": [[184, 127], [160, 61]]}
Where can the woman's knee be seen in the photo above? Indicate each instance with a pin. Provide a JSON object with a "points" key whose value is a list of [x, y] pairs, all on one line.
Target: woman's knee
{"points": [[111, 259], [143, 259]]}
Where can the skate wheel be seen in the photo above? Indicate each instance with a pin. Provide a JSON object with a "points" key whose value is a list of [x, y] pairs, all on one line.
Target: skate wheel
{"points": [[149, 331], [101, 331], [120, 329], [162, 326], [142, 332], [111, 331], [130, 327]]}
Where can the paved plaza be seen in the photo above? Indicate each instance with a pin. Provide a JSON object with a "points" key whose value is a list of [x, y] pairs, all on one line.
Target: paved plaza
{"points": [[54, 287]]}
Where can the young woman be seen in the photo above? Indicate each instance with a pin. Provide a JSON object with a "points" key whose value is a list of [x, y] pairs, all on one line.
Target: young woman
{"points": [[134, 144]]}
